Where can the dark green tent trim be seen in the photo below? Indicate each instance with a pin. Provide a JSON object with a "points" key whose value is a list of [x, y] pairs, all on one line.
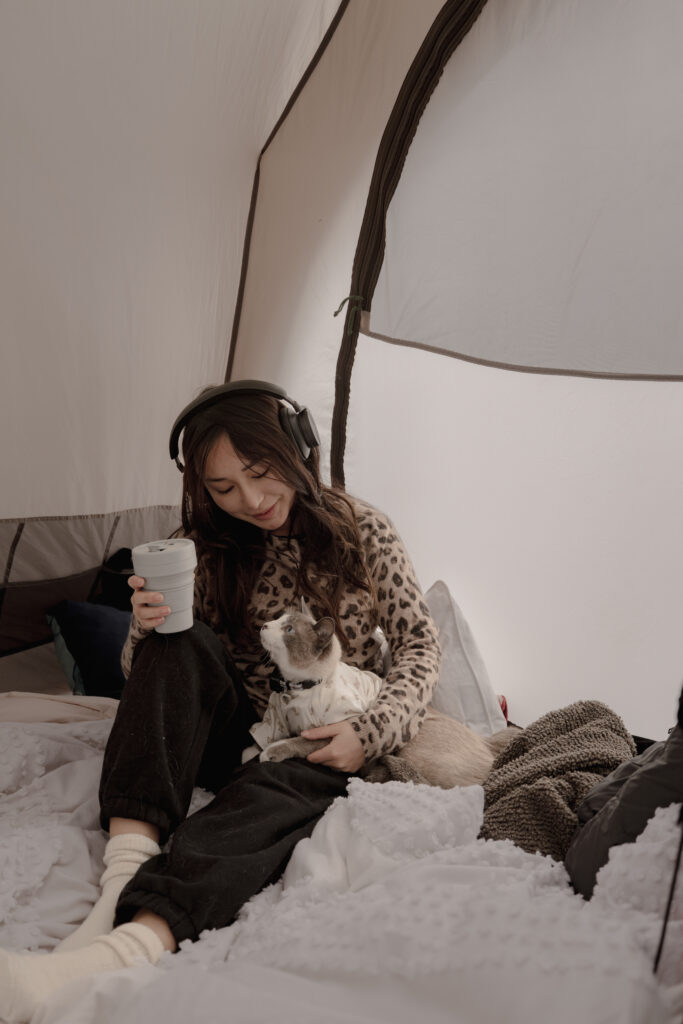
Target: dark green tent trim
{"points": [[450, 27]]}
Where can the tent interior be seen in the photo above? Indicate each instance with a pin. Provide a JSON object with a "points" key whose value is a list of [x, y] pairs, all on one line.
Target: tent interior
{"points": [[454, 232], [513, 397]]}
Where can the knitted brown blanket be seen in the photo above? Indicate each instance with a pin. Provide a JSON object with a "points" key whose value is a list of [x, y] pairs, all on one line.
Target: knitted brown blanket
{"points": [[539, 780]]}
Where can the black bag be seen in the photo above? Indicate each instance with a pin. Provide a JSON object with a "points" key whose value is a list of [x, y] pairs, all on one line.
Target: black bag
{"points": [[111, 585]]}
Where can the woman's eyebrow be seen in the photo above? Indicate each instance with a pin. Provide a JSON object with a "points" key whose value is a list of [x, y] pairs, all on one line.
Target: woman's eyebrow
{"points": [[224, 479]]}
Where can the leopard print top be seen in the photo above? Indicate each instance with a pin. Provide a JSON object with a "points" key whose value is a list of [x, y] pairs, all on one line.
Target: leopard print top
{"points": [[403, 617]]}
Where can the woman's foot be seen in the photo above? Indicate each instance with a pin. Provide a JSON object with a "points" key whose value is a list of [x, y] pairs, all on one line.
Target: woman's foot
{"points": [[28, 979], [123, 855]]}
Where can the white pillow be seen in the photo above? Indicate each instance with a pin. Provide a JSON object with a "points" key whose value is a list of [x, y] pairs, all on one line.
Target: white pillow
{"points": [[464, 690]]}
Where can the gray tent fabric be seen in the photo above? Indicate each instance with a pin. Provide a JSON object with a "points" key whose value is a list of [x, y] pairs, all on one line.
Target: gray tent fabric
{"points": [[130, 142], [473, 189], [538, 228], [530, 232], [549, 504], [54, 559]]}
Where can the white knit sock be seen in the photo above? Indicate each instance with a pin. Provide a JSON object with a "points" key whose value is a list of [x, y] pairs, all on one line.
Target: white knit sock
{"points": [[123, 855], [28, 979]]}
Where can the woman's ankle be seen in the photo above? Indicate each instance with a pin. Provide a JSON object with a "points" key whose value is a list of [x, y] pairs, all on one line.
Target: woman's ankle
{"points": [[121, 826], [159, 926]]}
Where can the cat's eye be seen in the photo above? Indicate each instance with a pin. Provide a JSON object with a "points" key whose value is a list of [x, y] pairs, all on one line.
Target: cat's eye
{"points": [[289, 629]]}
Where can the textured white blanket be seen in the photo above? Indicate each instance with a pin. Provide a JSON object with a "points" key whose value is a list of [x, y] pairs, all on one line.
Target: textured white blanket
{"points": [[393, 911]]}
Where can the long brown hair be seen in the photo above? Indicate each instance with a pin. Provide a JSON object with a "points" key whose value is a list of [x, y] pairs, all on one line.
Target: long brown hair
{"points": [[234, 550]]}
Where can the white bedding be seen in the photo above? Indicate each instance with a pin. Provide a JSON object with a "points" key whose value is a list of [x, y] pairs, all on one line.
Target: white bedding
{"points": [[393, 911]]}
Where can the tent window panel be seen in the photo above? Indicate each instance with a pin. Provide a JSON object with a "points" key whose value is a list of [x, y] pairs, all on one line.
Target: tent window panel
{"points": [[549, 506], [538, 220]]}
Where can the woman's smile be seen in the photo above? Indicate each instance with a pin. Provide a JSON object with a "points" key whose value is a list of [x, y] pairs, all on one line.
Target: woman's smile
{"points": [[268, 513]]}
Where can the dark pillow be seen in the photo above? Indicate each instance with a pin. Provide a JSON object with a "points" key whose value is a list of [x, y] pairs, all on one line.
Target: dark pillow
{"points": [[65, 658], [92, 637]]}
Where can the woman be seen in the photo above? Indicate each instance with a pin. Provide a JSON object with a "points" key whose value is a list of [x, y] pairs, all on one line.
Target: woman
{"points": [[268, 532]]}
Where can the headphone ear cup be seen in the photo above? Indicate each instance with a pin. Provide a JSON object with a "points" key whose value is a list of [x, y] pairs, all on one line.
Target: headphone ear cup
{"points": [[300, 428], [308, 429], [288, 423]]}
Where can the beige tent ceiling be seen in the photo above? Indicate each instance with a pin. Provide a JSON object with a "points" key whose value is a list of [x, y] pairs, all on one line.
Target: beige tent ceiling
{"points": [[551, 505], [130, 133]]}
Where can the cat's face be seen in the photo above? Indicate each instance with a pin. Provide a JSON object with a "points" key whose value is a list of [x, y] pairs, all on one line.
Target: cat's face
{"points": [[296, 643]]}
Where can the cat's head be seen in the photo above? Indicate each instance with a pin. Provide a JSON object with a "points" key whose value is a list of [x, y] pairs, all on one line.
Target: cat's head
{"points": [[301, 647]]}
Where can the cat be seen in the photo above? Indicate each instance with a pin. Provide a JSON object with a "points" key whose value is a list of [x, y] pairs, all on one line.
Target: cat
{"points": [[314, 686], [317, 688]]}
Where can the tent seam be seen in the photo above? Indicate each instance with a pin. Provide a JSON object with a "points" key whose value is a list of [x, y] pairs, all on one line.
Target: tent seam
{"points": [[518, 368], [92, 515], [12, 551]]}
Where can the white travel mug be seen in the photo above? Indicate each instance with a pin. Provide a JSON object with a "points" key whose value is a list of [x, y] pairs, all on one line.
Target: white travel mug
{"points": [[168, 566]]}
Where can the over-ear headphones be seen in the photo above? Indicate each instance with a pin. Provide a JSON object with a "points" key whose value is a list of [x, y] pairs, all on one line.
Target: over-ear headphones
{"points": [[296, 421]]}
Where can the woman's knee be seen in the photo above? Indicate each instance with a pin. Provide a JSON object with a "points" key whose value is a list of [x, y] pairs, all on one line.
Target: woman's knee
{"points": [[188, 653], [187, 675], [198, 637]]}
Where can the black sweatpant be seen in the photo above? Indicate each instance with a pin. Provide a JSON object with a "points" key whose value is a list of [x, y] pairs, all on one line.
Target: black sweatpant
{"points": [[183, 720]]}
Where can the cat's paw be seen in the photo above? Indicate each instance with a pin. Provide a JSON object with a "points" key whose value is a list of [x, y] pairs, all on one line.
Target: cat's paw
{"points": [[293, 746]]}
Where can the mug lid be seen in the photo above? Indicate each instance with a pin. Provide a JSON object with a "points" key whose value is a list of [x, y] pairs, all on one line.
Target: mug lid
{"points": [[175, 553]]}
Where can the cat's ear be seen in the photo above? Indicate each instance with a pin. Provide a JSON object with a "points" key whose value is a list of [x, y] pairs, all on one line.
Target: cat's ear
{"points": [[324, 629], [305, 611]]}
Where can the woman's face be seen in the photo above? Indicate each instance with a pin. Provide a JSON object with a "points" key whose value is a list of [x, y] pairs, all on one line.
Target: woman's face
{"points": [[248, 492]]}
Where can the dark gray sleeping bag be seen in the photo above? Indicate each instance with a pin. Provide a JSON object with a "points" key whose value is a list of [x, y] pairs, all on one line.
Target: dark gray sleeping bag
{"points": [[617, 810]]}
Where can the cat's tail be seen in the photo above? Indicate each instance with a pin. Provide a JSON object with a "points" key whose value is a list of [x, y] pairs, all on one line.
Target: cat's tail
{"points": [[499, 741]]}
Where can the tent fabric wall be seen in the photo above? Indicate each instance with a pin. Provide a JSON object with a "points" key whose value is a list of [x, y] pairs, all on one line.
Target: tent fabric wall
{"points": [[257, 177], [130, 136], [131, 133], [313, 189], [448, 30], [538, 223], [528, 225], [551, 505]]}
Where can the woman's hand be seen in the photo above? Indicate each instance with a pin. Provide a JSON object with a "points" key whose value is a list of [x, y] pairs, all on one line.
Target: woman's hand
{"points": [[142, 600], [344, 752]]}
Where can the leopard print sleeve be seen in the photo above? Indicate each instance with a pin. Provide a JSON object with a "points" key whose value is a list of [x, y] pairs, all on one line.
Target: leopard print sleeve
{"points": [[136, 633], [413, 640]]}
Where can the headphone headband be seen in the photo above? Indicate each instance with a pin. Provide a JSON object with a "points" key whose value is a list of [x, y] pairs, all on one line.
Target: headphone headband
{"points": [[296, 421]]}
